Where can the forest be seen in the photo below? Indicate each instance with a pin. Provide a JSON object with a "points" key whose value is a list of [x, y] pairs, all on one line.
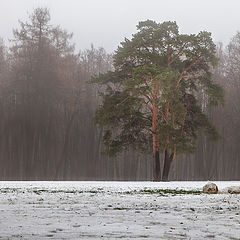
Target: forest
{"points": [[48, 128]]}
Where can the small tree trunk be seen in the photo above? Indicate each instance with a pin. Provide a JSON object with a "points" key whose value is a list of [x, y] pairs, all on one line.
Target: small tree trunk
{"points": [[167, 165], [156, 167], [155, 136]]}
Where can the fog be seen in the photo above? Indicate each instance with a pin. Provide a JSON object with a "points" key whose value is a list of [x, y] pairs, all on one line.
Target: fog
{"points": [[105, 23], [55, 125], [81, 118]]}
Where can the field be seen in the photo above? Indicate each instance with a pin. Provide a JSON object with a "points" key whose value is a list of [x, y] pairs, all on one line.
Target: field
{"points": [[112, 210]]}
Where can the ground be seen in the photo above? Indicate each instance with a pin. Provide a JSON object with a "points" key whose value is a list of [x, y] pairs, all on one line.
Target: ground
{"points": [[112, 210]]}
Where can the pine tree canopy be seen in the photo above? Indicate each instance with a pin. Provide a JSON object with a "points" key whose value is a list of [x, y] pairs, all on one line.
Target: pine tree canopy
{"points": [[154, 88]]}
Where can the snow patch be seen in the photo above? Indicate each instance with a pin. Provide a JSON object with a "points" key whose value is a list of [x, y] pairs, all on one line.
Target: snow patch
{"points": [[95, 210]]}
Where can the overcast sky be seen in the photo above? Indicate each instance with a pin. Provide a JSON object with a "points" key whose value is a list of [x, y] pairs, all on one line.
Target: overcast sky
{"points": [[105, 23]]}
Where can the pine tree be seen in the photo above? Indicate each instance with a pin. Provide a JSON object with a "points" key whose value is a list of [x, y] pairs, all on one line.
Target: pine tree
{"points": [[149, 100]]}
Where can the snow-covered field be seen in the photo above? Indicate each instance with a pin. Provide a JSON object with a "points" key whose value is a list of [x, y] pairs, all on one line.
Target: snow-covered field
{"points": [[112, 210]]}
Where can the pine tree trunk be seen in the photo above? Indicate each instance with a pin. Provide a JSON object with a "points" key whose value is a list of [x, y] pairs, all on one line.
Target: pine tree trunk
{"points": [[156, 167], [156, 162], [167, 165]]}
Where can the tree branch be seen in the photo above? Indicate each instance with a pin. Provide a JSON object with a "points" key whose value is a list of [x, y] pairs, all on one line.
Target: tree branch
{"points": [[187, 68]]}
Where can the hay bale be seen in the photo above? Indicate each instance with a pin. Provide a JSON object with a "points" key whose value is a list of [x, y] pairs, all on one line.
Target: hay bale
{"points": [[210, 188], [234, 190]]}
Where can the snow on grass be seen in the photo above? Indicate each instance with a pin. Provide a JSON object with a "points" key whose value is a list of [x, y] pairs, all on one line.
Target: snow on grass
{"points": [[112, 210]]}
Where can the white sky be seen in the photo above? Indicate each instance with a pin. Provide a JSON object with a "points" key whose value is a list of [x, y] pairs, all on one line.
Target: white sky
{"points": [[105, 23]]}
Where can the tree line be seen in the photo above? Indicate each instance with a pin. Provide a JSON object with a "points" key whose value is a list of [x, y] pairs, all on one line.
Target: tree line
{"points": [[47, 126]]}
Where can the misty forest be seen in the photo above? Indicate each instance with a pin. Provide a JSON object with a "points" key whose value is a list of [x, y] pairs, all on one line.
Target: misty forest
{"points": [[163, 106]]}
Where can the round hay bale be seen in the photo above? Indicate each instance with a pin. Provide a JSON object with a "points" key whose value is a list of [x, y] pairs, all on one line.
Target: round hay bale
{"points": [[210, 188], [234, 190]]}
